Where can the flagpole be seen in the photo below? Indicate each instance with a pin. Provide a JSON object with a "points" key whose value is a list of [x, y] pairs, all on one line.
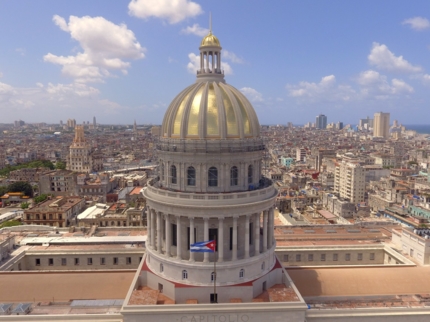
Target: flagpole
{"points": [[215, 259]]}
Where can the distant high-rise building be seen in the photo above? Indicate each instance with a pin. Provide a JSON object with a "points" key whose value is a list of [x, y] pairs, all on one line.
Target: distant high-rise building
{"points": [[365, 124], [381, 125], [94, 122], [349, 181], [71, 123], [321, 121], [61, 123]]}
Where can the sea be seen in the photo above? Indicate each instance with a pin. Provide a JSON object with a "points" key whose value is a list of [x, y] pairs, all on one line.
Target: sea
{"points": [[420, 128]]}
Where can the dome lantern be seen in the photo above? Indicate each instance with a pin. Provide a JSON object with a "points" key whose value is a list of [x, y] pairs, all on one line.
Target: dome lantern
{"points": [[210, 58]]}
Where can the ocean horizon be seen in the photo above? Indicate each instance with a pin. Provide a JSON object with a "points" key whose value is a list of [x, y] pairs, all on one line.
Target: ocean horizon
{"points": [[420, 128]]}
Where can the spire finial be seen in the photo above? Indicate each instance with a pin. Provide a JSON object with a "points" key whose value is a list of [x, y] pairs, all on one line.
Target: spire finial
{"points": [[210, 22]]}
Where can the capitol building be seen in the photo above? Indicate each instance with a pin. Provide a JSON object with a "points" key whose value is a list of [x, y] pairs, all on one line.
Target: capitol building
{"points": [[210, 187]]}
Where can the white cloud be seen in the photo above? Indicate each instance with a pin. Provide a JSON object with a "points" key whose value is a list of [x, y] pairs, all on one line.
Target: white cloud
{"points": [[172, 11], [231, 56], [52, 102], [417, 23], [373, 84], [381, 57], [60, 22], [194, 65], [106, 47], [195, 30], [326, 90], [252, 94]]}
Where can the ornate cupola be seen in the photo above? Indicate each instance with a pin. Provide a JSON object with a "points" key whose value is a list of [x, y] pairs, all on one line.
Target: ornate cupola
{"points": [[210, 59]]}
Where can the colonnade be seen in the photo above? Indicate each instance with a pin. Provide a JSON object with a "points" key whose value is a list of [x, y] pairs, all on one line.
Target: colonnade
{"points": [[215, 61], [157, 221]]}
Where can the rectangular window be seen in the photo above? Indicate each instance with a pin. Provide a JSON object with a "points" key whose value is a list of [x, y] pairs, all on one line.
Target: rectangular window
{"points": [[334, 257], [115, 260], [63, 261], [360, 256], [37, 261], [174, 235], [298, 257], [231, 238], [322, 257], [50, 261], [251, 233], [102, 261], [76, 261], [286, 258], [372, 256], [89, 261], [128, 260], [347, 256]]}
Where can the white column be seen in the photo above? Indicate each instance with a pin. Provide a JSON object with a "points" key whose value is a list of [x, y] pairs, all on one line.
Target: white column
{"points": [[153, 222], [207, 62], [213, 64], [179, 238], [201, 62], [158, 232], [219, 61], [220, 240], [192, 238], [206, 237], [168, 238], [257, 233], [148, 226], [264, 230], [234, 253], [247, 236], [271, 227]]}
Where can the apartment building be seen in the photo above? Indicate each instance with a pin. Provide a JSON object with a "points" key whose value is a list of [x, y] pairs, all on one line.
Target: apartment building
{"points": [[349, 181]]}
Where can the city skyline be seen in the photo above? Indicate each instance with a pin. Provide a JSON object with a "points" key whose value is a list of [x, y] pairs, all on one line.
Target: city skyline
{"points": [[127, 60]]}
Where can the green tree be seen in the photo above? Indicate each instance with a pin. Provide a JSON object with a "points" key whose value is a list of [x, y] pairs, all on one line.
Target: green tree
{"points": [[24, 205], [40, 198], [60, 165], [3, 190], [21, 186]]}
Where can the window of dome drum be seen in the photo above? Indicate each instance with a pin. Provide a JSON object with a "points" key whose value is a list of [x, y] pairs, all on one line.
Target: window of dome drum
{"points": [[234, 176], [241, 273], [173, 174], [184, 274], [213, 177], [213, 276], [191, 176], [250, 174]]}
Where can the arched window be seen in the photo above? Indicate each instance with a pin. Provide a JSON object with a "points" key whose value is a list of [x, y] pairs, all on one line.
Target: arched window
{"points": [[184, 274], [263, 266], [173, 176], [250, 174], [161, 268], [213, 177], [213, 276], [191, 176], [233, 176], [241, 273]]}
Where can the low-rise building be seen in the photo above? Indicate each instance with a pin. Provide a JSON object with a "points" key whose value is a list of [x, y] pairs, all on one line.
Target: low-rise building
{"points": [[58, 212]]}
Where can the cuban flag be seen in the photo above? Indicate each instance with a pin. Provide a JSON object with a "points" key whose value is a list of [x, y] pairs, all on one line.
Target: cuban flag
{"points": [[205, 246]]}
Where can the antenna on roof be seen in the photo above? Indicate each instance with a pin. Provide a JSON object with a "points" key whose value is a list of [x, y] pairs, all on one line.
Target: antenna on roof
{"points": [[210, 22]]}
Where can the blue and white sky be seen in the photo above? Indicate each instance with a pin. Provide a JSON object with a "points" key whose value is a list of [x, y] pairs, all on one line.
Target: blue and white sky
{"points": [[126, 60]]}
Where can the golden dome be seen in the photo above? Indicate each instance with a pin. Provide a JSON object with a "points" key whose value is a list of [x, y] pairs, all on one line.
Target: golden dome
{"points": [[210, 40], [210, 110]]}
